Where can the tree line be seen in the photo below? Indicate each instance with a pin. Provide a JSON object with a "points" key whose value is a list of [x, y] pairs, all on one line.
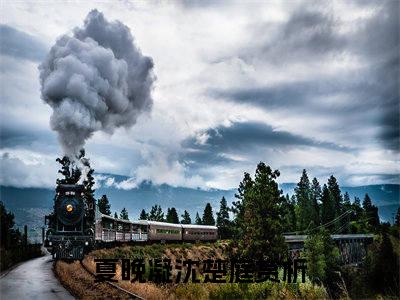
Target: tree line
{"points": [[309, 208], [156, 214], [312, 206]]}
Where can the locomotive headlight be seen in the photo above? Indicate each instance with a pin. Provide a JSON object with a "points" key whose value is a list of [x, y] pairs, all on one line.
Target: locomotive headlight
{"points": [[69, 208]]}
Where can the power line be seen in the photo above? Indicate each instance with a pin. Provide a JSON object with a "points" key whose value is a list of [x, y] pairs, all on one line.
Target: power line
{"points": [[323, 225]]}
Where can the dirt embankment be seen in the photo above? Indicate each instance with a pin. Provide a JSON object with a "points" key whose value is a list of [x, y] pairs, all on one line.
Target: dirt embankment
{"points": [[82, 285]]}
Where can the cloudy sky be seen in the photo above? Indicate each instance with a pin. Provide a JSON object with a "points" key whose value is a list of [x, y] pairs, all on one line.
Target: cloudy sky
{"points": [[294, 84]]}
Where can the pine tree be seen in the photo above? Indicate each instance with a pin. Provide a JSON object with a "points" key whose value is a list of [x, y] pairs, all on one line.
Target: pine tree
{"points": [[358, 210], [371, 213], [336, 198], [208, 217], [89, 181], [9, 237], [244, 192], [289, 215], [322, 256], [198, 220], [316, 194], [124, 214], [143, 215], [367, 203], [357, 218], [156, 214], [223, 223], [260, 213], [186, 218], [328, 206], [104, 205], [69, 170], [65, 170], [382, 267], [115, 215], [346, 200], [397, 221], [172, 216], [303, 196]]}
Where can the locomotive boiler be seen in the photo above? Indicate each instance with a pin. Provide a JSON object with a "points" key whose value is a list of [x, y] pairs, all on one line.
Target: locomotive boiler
{"points": [[70, 227]]}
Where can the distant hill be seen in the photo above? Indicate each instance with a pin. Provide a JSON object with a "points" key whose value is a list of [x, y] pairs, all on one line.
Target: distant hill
{"points": [[31, 204]]}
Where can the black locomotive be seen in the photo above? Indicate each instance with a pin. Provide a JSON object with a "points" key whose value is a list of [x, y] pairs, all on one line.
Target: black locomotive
{"points": [[70, 231]]}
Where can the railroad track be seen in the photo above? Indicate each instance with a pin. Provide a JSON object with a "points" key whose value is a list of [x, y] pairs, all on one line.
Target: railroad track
{"points": [[131, 295]]}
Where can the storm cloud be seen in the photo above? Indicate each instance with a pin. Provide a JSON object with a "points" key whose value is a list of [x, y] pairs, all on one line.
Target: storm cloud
{"points": [[243, 135], [296, 84], [366, 95], [19, 44]]}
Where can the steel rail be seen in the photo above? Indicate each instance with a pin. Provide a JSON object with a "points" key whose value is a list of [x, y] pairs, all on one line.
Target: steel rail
{"points": [[132, 295]]}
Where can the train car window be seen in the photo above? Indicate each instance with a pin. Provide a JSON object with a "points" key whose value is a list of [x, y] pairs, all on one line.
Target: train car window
{"points": [[167, 231]]}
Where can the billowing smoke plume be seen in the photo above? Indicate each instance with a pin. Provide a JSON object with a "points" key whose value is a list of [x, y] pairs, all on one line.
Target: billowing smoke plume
{"points": [[95, 80]]}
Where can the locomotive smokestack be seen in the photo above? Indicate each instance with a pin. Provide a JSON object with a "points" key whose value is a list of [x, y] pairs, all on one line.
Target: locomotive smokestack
{"points": [[96, 79]]}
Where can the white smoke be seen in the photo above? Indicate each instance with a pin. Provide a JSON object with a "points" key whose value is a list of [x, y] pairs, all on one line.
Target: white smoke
{"points": [[95, 80]]}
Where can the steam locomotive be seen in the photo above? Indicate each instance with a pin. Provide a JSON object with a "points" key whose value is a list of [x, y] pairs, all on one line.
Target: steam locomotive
{"points": [[76, 226], [71, 225]]}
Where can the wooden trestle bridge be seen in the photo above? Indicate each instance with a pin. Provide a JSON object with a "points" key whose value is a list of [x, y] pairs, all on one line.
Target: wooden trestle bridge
{"points": [[352, 247]]}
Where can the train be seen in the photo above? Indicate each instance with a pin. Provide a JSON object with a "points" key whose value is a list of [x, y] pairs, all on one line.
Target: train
{"points": [[76, 226]]}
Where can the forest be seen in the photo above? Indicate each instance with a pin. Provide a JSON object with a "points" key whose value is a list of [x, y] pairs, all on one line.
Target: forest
{"points": [[259, 217]]}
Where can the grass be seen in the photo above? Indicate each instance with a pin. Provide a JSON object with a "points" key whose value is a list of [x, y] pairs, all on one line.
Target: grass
{"points": [[82, 285]]}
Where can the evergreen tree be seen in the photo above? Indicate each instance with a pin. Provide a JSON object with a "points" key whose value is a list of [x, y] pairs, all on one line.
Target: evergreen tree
{"points": [[303, 196], [316, 194], [156, 214], [358, 210], [346, 208], [71, 173], [89, 181], [244, 192], [172, 216], [371, 213], [124, 214], [223, 222], [357, 218], [115, 215], [65, 170], [143, 215], [259, 212], [9, 236], [328, 206], [289, 215], [322, 257], [198, 220], [104, 205], [208, 217], [382, 267], [336, 198], [367, 203], [346, 201], [186, 218]]}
